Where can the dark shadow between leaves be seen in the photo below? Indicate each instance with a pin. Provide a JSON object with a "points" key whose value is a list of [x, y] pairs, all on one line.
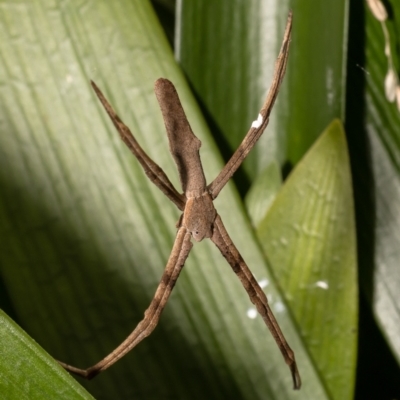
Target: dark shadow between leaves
{"points": [[166, 17], [377, 371]]}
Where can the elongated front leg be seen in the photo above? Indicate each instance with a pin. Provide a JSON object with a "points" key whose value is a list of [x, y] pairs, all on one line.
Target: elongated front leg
{"points": [[151, 169], [257, 296], [179, 254]]}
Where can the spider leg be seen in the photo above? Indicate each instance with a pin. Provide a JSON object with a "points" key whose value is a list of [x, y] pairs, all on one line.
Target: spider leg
{"points": [[179, 254], [151, 169], [257, 296]]}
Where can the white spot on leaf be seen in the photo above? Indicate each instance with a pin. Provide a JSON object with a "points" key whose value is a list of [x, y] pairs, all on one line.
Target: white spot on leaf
{"points": [[322, 284], [330, 86], [279, 307], [391, 85], [283, 241], [252, 313], [263, 283]]}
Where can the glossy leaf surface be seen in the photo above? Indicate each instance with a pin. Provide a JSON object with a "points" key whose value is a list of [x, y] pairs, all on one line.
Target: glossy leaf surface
{"points": [[85, 235], [308, 235], [28, 372]]}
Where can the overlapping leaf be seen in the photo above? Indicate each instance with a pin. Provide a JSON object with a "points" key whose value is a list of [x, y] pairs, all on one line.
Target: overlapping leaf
{"points": [[28, 372], [309, 237]]}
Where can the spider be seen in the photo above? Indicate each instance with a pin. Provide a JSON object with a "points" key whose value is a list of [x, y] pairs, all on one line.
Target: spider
{"points": [[199, 219]]}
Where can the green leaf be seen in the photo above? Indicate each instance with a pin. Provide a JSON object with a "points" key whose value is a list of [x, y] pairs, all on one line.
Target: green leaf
{"points": [[316, 81], [85, 235], [308, 236], [28, 372], [262, 193]]}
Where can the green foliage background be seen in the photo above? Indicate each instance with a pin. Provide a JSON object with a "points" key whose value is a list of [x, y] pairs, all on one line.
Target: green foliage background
{"points": [[84, 235]]}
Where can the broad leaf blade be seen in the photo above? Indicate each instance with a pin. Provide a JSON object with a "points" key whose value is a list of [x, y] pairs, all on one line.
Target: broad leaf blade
{"points": [[85, 236], [262, 193], [309, 237], [28, 372]]}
